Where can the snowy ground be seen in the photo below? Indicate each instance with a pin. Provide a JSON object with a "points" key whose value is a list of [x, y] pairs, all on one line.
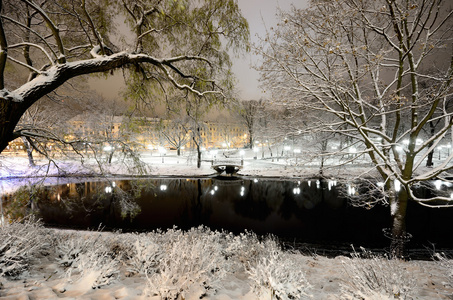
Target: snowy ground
{"points": [[201, 264], [14, 169], [329, 278]]}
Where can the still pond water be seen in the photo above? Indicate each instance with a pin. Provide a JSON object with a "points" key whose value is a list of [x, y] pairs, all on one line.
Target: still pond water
{"points": [[309, 211]]}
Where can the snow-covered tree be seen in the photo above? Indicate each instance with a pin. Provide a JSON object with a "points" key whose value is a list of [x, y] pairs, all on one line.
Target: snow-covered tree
{"points": [[182, 44], [249, 113], [176, 133], [362, 62]]}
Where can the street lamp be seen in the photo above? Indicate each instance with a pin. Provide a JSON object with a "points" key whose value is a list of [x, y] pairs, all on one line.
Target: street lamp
{"points": [[162, 152], [242, 152]]}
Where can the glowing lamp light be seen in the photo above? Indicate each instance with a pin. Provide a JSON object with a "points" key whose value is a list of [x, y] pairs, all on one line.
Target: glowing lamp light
{"points": [[438, 184], [162, 150], [351, 190], [163, 187]]}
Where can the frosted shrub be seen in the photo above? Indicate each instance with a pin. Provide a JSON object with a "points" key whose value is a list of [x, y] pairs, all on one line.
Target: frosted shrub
{"points": [[243, 249], [18, 244], [446, 263], [87, 258], [18, 241], [376, 277], [277, 276], [190, 261], [145, 254]]}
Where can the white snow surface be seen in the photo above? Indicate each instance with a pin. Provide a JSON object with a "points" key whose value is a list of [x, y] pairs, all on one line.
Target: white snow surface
{"points": [[15, 171]]}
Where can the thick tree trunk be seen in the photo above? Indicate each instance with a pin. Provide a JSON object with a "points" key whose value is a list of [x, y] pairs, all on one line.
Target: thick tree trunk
{"points": [[198, 157], [10, 114], [398, 207]]}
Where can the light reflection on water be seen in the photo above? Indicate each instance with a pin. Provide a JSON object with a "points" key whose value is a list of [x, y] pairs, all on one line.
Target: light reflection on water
{"points": [[310, 210]]}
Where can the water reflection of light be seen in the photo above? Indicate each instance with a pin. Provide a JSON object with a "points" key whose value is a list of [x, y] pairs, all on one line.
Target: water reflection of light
{"points": [[113, 183], [309, 183], [255, 180], [163, 187], [351, 190], [296, 191], [318, 184], [439, 183], [451, 196], [58, 197], [212, 192], [216, 188], [108, 189], [242, 191], [331, 183]]}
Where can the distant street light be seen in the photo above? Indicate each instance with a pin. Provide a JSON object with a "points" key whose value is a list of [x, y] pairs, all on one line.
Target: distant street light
{"points": [[162, 152]]}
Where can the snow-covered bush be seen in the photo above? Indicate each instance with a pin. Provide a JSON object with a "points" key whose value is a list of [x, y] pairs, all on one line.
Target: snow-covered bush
{"points": [[446, 264], [87, 257], [242, 250], [191, 262], [19, 241], [144, 255], [277, 275], [376, 277]]}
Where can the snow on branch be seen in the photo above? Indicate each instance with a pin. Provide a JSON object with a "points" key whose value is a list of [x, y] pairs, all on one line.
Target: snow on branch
{"points": [[33, 45]]}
